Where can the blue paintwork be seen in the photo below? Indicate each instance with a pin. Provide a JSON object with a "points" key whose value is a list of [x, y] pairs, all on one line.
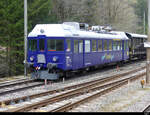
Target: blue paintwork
{"points": [[48, 54], [74, 61]]}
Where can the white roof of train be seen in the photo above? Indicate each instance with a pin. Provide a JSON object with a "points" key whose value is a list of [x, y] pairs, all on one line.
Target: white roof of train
{"points": [[138, 35], [64, 30]]}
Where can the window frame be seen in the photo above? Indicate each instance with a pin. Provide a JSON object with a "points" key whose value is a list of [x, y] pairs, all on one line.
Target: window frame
{"points": [[114, 48], [39, 43], [67, 45], [29, 48], [105, 45], [95, 50], [101, 48], [110, 45], [89, 51], [51, 50], [74, 46], [79, 46]]}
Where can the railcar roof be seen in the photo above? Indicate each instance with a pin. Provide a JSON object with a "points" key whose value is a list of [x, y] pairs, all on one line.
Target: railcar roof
{"points": [[63, 30], [137, 35]]}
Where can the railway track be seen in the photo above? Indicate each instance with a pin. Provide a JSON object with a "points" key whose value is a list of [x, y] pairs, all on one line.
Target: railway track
{"points": [[6, 87], [15, 82], [147, 109], [112, 87], [105, 85]]}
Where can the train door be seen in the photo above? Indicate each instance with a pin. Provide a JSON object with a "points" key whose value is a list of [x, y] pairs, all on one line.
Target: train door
{"points": [[69, 53], [41, 55], [78, 54], [125, 50], [87, 53]]}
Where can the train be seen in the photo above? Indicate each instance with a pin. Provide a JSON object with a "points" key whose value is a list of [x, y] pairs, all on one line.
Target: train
{"points": [[57, 50]]}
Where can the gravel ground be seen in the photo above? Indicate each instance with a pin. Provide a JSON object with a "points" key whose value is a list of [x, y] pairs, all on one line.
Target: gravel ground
{"points": [[101, 74], [72, 81], [5, 79], [129, 98]]}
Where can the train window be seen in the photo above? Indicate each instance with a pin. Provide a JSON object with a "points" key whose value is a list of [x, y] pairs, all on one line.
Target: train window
{"points": [[55, 45], [51, 45], [99, 45], [118, 45], [75, 46], [114, 45], [41, 44], [141, 41], [87, 46], [32, 45], [129, 43], [110, 45], [133, 43], [105, 45], [68, 45], [80, 46], [125, 45], [137, 41], [93, 45], [59, 45]]}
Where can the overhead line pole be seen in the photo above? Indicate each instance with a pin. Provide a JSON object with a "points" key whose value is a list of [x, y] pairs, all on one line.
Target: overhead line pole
{"points": [[144, 22], [25, 37], [148, 49]]}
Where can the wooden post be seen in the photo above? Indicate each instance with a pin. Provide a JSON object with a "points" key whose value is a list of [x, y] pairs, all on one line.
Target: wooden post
{"points": [[148, 49]]}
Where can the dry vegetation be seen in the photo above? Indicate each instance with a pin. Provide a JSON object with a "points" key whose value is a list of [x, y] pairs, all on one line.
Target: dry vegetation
{"points": [[118, 13]]}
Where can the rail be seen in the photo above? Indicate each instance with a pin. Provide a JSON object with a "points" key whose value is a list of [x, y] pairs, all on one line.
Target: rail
{"points": [[79, 91], [102, 80]]}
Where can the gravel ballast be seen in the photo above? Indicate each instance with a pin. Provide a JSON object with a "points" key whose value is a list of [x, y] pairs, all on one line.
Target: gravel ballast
{"points": [[99, 104]]}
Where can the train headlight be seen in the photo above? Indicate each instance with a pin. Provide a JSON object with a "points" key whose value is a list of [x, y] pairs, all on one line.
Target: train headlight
{"points": [[31, 58], [55, 58]]}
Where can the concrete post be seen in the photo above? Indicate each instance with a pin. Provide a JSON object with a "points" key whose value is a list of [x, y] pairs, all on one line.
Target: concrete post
{"points": [[25, 37]]}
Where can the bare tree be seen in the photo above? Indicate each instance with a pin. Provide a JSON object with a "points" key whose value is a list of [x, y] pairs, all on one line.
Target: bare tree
{"points": [[117, 13]]}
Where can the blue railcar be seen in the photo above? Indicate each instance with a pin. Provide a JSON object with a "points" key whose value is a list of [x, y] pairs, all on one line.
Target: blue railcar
{"points": [[55, 49]]}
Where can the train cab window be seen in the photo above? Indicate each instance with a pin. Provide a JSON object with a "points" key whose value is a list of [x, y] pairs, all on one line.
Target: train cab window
{"points": [[99, 45], [32, 45], [55, 45], [87, 46], [93, 45], [59, 45], [68, 45], [105, 45], [80, 46], [41, 45], [110, 45], [75, 46]]}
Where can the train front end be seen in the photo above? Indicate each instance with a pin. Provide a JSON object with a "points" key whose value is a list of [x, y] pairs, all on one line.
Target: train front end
{"points": [[46, 54]]}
